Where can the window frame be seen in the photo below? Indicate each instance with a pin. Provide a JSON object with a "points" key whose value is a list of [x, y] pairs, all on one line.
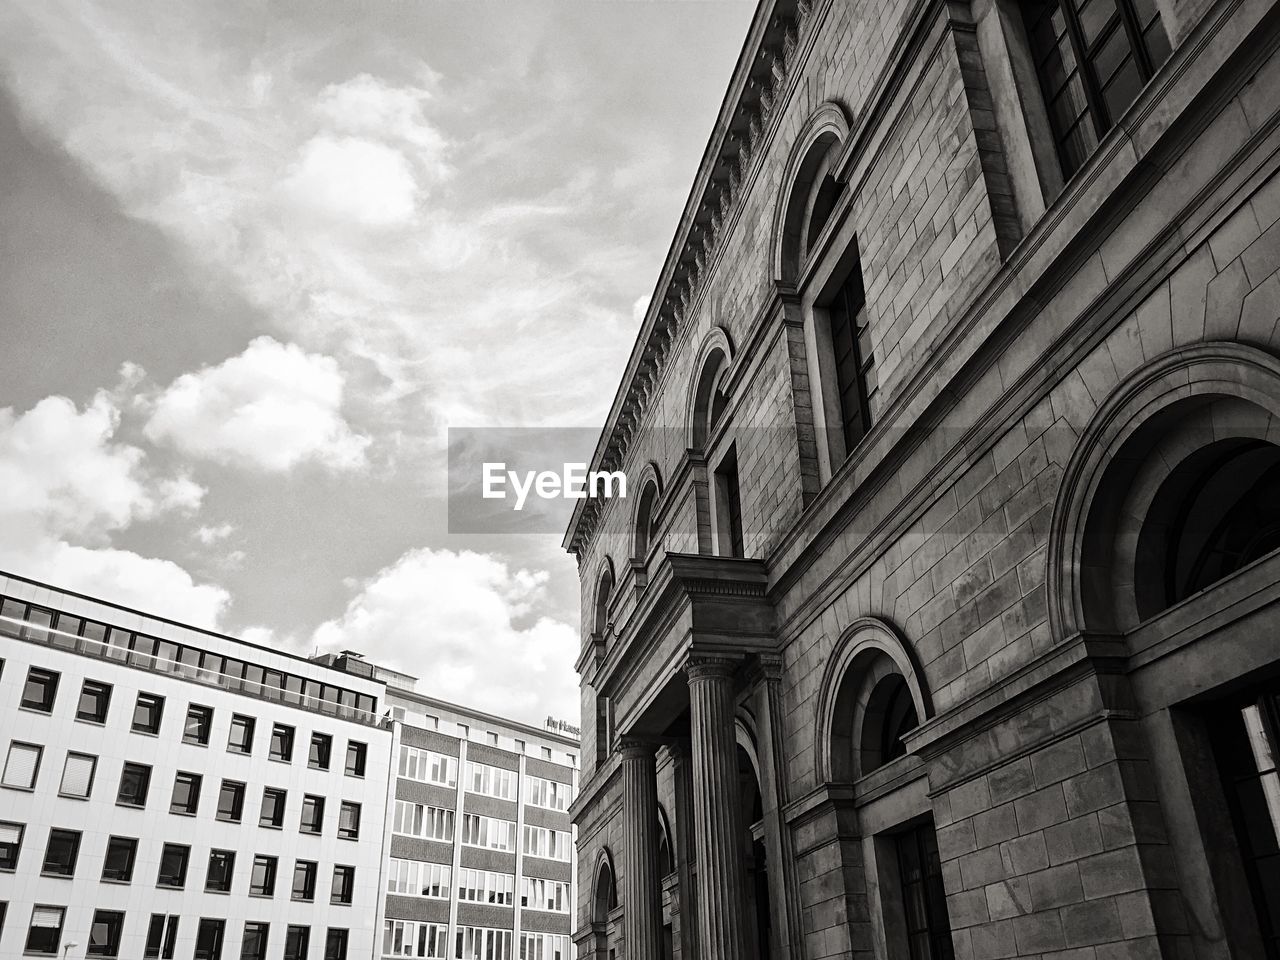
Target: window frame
{"points": [[49, 681], [131, 766], [239, 789], [21, 829], [124, 875], [169, 849], [64, 835], [226, 859], [342, 895], [285, 735], [38, 750], [194, 784], [245, 725], [324, 759], [149, 726], [203, 715], [102, 692], [93, 774], [115, 931]]}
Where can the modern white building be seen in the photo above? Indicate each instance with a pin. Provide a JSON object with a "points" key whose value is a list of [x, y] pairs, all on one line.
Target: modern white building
{"points": [[168, 792]]}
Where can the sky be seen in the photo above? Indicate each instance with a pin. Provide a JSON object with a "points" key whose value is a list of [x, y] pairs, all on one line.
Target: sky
{"points": [[257, 258]]}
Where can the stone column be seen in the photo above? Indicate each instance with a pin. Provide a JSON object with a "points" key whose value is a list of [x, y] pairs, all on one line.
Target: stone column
{"points": [[642, 895], [722, 915], [682, 760]]}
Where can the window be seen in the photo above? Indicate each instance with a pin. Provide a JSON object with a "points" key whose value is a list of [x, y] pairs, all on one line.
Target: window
{"points": [[484, 886], [95, 698], [464, 731], [104, 933], [426, 766], [417, 878], [1093, 57], [853, 360], [209, 937], [481, 943], [241, 739], [923, 897], [546, 843], [231, 801], [282, 744], [349, 820], [344, 884], [519, 746], [550, 794], [355, 759], [61, 853], [198, 726], [162, 935], [77, 776], [10, 844], [147, 713], [273, 802], [335, 944], [491, 781], [186, 794], [551, 895], [491, 739], [45, 933], [404, 938], [321, 747], [173, 865], [546, 753], [135, 780], [22, 766], [544, 946], [254, 944], [122, 853], [478, 831], [41, 690], [262, 881], [222, 866], [296, 941], [312, 814], [304, 880], [419, 820]]}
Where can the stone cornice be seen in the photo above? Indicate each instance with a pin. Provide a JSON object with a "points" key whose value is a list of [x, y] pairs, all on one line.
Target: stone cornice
{"points": [[762, 72]]}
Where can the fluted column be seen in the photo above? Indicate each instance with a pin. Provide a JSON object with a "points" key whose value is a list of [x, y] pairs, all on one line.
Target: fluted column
{"points": [[642, 896], [722, 870]]}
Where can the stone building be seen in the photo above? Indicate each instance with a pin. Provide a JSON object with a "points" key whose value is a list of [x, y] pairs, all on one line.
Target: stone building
{"points": [[941, 619]]}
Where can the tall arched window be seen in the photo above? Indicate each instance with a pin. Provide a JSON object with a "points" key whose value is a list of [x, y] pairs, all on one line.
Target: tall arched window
{"points": [[604, 590], [646, 521], [711, 398]]}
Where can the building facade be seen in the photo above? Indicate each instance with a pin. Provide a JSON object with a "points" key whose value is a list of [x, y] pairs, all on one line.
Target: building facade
{"points": [[168, 792], [942, 619], [479, 845]]}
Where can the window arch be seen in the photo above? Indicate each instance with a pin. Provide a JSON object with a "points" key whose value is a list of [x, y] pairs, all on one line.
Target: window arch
{"points": [[644, 524], [709, 395], [604, 591], [810, 190], [604, 897]]}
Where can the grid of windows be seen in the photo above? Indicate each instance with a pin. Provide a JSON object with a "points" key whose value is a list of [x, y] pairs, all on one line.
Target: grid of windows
{"points": [[547, 843], [540, 894], [544, 946], [427, 766], [548, 793], [420, 820], [485, 886], [404, 938], [491, 781], [418, 878], [483, 943], [491, 832]]}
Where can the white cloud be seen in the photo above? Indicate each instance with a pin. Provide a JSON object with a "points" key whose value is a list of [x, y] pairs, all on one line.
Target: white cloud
{"points": [[209, 535], [354, 180], [369, 106], [271, 408], [469, 627]]}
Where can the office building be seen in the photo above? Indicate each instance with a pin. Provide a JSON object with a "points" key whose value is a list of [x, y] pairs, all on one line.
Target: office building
{"points": [[942, 619]]}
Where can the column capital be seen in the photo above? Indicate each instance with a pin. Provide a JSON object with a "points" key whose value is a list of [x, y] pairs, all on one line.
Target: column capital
{"points": [[636, 748], [700, 667]]}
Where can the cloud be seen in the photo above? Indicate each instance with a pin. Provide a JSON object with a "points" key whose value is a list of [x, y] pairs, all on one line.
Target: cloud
{"points": [[470, 627], [69, 484], [369, 106], [209, 535], [271, 408], [354, 180]]}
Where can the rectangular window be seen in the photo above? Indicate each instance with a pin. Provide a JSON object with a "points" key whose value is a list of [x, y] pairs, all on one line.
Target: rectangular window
{"points": [[231, 801], [199, 725], [482, 943], [550, 794], [162, 936], [344, 885], [282, 742], [853, 359], [41, 690], [262, 881], [222, 867], [61, 853], [418, 878], [254, 944], [404, 938], [312, 814], [335, 944], [924, 899], [491, 738], [104, 933], [490, 832], [321, 748], [44, 936], [354, 766], [186, 794], [10, 844], [147, 713], [95, 699], [209, 937], [173, 865], [550, 895], [296, 941], [241, 739], [546, 753], [547, 844], [304, 881], [122, 853], [428, 823], [491, 781], [544, 946], [1093, 57], [426, 766], [349, 820], [77, 776], [485, 886], [22, 765], [135, 780], [273, 802]]}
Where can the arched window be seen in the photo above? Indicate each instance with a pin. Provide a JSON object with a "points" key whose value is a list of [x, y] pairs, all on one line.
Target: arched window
{"points": [[812, 196], [605, 897], [898, 717], [646, 521], [666, 849], [711, 399], [604, 590]]}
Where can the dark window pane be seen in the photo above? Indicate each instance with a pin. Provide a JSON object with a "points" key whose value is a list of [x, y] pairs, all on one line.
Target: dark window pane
{"points": [[262, 880], [321, 746], [104, 933], [222, 864], [199, 723], [273, 803], [95, 699], [231, 801], [1123, 89], [147, 713], [282, 742], [241, 739], [40, 691], [10, 844], [355, 759], [121, 854], [209, 938], [173, 865], [304, 880], [61, 853], [134, 783]]}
